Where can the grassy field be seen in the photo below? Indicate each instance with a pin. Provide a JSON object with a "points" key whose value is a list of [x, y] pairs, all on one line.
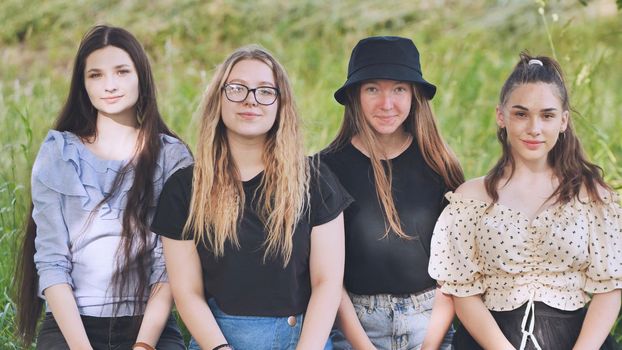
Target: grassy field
{"points": [[467, 49]]}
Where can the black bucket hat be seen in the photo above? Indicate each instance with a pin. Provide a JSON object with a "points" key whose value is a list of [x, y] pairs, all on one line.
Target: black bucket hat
{"points": [[385, 57]]}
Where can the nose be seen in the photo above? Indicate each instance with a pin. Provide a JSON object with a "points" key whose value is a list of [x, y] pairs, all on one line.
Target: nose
{"points": [[386, 102], [535, 126], [110, 85], [250, 98]]}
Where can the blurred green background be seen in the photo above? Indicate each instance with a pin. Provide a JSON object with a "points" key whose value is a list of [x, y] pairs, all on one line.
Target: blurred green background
{"points": [[467, 47]]}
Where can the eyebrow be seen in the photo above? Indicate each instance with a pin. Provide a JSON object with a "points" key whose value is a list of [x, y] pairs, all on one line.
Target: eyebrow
{"points": [[551, 109], [115, 67], [261, 83]]}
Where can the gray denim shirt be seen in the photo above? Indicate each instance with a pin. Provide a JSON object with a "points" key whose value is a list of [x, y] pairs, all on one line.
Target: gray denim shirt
{"points": [[76, 242]]}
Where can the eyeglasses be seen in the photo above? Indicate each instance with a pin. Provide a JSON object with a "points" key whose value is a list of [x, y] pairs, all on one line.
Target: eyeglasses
{"points": [[264, 95]]}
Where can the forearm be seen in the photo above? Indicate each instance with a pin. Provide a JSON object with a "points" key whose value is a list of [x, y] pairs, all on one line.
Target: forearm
{"points": [[350, 326], [199, 320], [156, 314], [601, 315], [442, 315], [476, 318], [320, 316], [65, 310]]}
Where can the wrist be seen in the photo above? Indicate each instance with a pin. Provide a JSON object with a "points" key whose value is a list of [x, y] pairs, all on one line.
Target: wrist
{"points": [[142, 346]]}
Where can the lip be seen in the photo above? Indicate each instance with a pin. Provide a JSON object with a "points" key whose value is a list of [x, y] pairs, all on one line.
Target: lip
{"points": [[112, 99], [532, 144], [386, 119], [249, 115]]}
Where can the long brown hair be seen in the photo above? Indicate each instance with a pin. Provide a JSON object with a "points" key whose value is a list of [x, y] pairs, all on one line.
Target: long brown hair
{"points": [[422, 125], [217, 193], [567, 159], [80, 117]]}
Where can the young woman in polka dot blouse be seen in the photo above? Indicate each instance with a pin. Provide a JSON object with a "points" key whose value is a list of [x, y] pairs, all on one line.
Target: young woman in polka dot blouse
{"points": [[524, 248]]}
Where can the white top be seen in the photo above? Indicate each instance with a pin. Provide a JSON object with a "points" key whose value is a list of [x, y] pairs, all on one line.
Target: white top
{"points": [[495, 251], [76, 242]]}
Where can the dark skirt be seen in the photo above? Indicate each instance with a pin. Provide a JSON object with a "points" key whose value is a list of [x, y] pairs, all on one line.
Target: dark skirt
{"points": [[108, 333], [553, 329]]}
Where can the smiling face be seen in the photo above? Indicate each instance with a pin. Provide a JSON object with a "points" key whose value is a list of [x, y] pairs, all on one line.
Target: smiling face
{"points": [[533, 118], [386, 104], [111, 82], [248, 119]]}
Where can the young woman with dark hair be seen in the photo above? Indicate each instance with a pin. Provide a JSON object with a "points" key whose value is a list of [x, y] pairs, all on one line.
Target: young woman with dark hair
{"points": [[391, 158], [88, 251], [522, 249], [253, 233]]}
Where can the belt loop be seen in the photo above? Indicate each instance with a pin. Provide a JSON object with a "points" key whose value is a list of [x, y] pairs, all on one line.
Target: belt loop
{"points": [[415, 301], [372, 301]]}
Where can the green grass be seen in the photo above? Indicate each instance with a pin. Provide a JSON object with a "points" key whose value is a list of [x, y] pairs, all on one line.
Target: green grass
{"points": [[467, 49]]}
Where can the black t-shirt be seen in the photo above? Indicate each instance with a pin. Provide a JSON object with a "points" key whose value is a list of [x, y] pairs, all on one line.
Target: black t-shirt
{"points": [[241, 283], [376, 265]]}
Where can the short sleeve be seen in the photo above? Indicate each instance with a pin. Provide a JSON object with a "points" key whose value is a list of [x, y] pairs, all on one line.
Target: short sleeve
{"points": [[173, 206], [604, 273], [328, 197], [176, 155], [454, 255]]}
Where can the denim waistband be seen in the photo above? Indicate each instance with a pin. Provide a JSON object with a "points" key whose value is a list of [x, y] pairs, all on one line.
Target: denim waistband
{"points": [[387, 300]]}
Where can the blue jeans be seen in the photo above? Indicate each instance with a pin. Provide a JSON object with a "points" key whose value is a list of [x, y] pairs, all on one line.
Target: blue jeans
{"points": [[393, 321], [257, 332]]}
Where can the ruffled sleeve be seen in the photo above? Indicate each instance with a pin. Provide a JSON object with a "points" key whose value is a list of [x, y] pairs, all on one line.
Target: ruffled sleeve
{"points": [[604, 273], [173, 156], [454, 255], [54, 174]]}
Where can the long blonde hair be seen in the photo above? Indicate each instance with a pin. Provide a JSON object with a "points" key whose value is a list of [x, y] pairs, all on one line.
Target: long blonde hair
{"points": [[421, 124], [217, 194]]}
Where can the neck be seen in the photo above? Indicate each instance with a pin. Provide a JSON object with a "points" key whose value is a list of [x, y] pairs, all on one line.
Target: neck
{"points": [[532, 168], [390, 145], [247, 154], [116, 138], [531, 174]]}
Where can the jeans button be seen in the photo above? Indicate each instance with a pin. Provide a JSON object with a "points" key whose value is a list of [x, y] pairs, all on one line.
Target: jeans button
{"points": [[291, 320]]}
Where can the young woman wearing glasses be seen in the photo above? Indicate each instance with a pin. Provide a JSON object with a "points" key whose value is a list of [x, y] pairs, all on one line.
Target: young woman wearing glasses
{"points": [[253, 233]]}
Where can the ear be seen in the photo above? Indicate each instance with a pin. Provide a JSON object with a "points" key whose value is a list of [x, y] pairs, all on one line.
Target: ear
{"points": [[500, 118], [564, 125]]}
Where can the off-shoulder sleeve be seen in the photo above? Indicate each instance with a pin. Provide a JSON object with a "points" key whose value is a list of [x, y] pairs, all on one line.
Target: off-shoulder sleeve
{"points": [[52, 177], [604, 273], [454, 255]]}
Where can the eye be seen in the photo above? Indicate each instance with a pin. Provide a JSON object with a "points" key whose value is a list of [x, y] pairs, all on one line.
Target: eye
{"points": [[266, 91], [549, 116], [235, 88], [93, 75], [520, 114], [123, 72], [370, 89], [401, 89]]}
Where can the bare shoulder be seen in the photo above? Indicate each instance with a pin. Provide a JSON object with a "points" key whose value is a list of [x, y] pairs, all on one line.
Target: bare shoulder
{"points": [[604, 193], [474, 189]]}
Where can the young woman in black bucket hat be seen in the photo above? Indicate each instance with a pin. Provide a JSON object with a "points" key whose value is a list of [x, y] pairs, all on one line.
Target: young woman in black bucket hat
{"points": [[390, 157]]}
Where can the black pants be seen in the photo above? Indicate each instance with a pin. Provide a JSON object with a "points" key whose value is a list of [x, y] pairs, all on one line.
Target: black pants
{"points": [[108, 333], [554, 329]]}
